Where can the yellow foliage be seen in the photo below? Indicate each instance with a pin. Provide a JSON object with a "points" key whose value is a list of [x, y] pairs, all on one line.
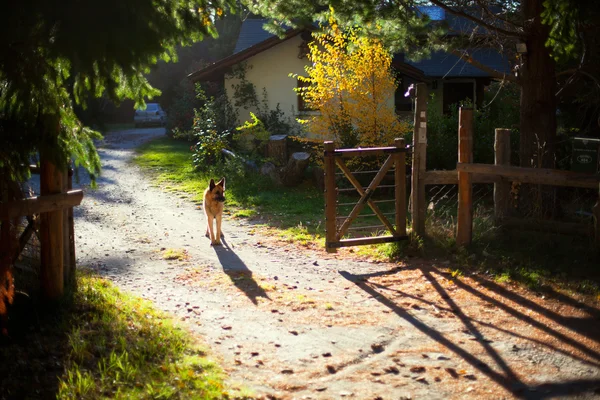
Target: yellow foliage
{"points": [[352, 86]]}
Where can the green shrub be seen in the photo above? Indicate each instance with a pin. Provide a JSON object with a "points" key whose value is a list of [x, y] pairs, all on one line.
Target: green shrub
{"points": [[180, 114], [252, 137], [499, 110]]}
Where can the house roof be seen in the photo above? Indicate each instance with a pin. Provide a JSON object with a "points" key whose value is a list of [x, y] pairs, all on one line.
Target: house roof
{"points": [[447, 65], [251, 33], [250, 42], [253, 39]]}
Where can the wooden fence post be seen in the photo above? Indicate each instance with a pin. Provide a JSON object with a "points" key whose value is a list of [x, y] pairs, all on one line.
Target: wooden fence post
{"points": [[502, 188], [596, 211], [465, 189], [418, 206], [400, 187], [69, 238], [51, 232], [330, 197]]}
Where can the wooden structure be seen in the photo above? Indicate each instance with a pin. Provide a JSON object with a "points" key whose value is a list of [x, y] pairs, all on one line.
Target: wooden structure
{"points": [[419, 162], [501, 174], [56, 231], [335, 158]]}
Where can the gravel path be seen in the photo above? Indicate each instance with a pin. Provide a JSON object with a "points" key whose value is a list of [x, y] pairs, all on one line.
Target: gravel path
{"points": [[292, 323]]}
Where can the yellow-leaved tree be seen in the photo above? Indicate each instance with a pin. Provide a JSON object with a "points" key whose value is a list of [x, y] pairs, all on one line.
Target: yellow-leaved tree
{"points": [[351, 86]]}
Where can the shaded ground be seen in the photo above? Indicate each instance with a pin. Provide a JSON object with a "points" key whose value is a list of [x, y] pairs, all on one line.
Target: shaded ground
{"points": [[290, 322]]}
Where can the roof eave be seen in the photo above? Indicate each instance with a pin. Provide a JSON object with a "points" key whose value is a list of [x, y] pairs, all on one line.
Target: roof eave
{"points": [[219, 67]]}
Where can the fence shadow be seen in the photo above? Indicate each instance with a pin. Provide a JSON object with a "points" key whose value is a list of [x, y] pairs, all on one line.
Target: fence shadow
{"points": [[488, 360]]}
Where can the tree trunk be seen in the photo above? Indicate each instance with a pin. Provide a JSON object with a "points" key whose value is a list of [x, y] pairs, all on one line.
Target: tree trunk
{"points": [[293, 173], [537, 77], [538, 93]]}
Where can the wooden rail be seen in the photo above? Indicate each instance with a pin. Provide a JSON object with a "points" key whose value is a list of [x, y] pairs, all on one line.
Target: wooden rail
{"points": [[541, 176], [55, 225], [40, 204]]}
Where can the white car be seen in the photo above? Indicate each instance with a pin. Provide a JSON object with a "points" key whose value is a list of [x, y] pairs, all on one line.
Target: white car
{"points": [[153, 114]]}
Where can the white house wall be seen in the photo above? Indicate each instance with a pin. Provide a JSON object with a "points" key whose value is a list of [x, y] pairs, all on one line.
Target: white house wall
{"points": [[269, 69]]}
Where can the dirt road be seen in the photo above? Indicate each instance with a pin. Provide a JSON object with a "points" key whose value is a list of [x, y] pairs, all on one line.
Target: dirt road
{"points": [[302, 324]]}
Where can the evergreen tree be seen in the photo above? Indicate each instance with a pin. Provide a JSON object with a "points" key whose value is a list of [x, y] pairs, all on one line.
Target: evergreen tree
{"points": [[58, 53]]}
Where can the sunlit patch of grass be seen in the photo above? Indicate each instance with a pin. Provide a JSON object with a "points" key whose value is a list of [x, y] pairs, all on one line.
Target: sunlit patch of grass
{"points": [[244, 213], [249, 196], [300, 234], [175, 254], [121, 347]]}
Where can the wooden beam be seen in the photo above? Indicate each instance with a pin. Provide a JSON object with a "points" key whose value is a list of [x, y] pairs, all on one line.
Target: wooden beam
{"points": [[464, 221], [596, 211], [364, 241], [330, 196], [566, 228], [501, 189], [371, 151], [450, 177], [541, 176], [400, 188], [419, 162], [357, 185], [366, 194], [40, 204], [51, 231]]}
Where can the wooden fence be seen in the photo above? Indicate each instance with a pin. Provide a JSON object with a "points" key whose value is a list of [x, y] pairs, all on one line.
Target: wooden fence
{"points": [[335, 158], [55, 228], [501, 174]]}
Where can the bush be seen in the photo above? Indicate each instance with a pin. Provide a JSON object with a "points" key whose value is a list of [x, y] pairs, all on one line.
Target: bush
{"points": [[252, 136], [180, 114], [500, 110], [211, 139]]}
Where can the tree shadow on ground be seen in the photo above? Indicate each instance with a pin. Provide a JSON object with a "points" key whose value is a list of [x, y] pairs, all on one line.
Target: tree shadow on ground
{"points": [[34, 352], [241, 276], [569, 336]]}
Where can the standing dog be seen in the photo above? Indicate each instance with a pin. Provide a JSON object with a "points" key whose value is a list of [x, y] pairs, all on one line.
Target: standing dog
{"points": [[213, 209]]}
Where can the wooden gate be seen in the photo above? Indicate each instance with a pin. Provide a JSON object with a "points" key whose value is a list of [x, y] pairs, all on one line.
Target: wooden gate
{"points": [[334, 231]]}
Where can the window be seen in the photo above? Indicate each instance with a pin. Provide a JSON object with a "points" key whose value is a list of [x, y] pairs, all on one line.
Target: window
{"points": [[301, 104], [457, 93]]}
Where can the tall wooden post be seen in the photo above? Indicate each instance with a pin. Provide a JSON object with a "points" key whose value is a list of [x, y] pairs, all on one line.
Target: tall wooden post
{"points": [[330, 197], [419, 162], [502, 188], [400, 187], [69, 237], [465, 189], [596, 211], [51, 232]]}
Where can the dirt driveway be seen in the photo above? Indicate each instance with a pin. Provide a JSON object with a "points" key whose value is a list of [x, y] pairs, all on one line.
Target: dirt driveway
{"points": [[302, 324]]}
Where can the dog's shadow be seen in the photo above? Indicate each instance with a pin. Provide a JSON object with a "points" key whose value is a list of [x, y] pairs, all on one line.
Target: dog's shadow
{"points": [[239, 273]]}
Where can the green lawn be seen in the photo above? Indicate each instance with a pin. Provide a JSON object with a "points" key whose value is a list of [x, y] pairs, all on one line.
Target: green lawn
{"points": [[106, 344], [295, 212]]}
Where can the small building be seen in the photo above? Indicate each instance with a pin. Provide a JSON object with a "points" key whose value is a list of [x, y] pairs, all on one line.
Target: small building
{"points": [[269, 60]]}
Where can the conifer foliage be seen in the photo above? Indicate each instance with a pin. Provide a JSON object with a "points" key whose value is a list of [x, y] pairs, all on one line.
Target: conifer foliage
{"points": [[55, 53]]}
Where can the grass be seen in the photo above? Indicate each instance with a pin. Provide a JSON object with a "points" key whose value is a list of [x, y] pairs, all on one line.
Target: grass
{"points": [[106, 344], [175, 254], [295, 212], [297, 215], [533, 259]]}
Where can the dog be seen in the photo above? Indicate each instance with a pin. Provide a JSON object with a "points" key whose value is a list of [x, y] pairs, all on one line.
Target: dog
{"points": [[214, 197]]}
